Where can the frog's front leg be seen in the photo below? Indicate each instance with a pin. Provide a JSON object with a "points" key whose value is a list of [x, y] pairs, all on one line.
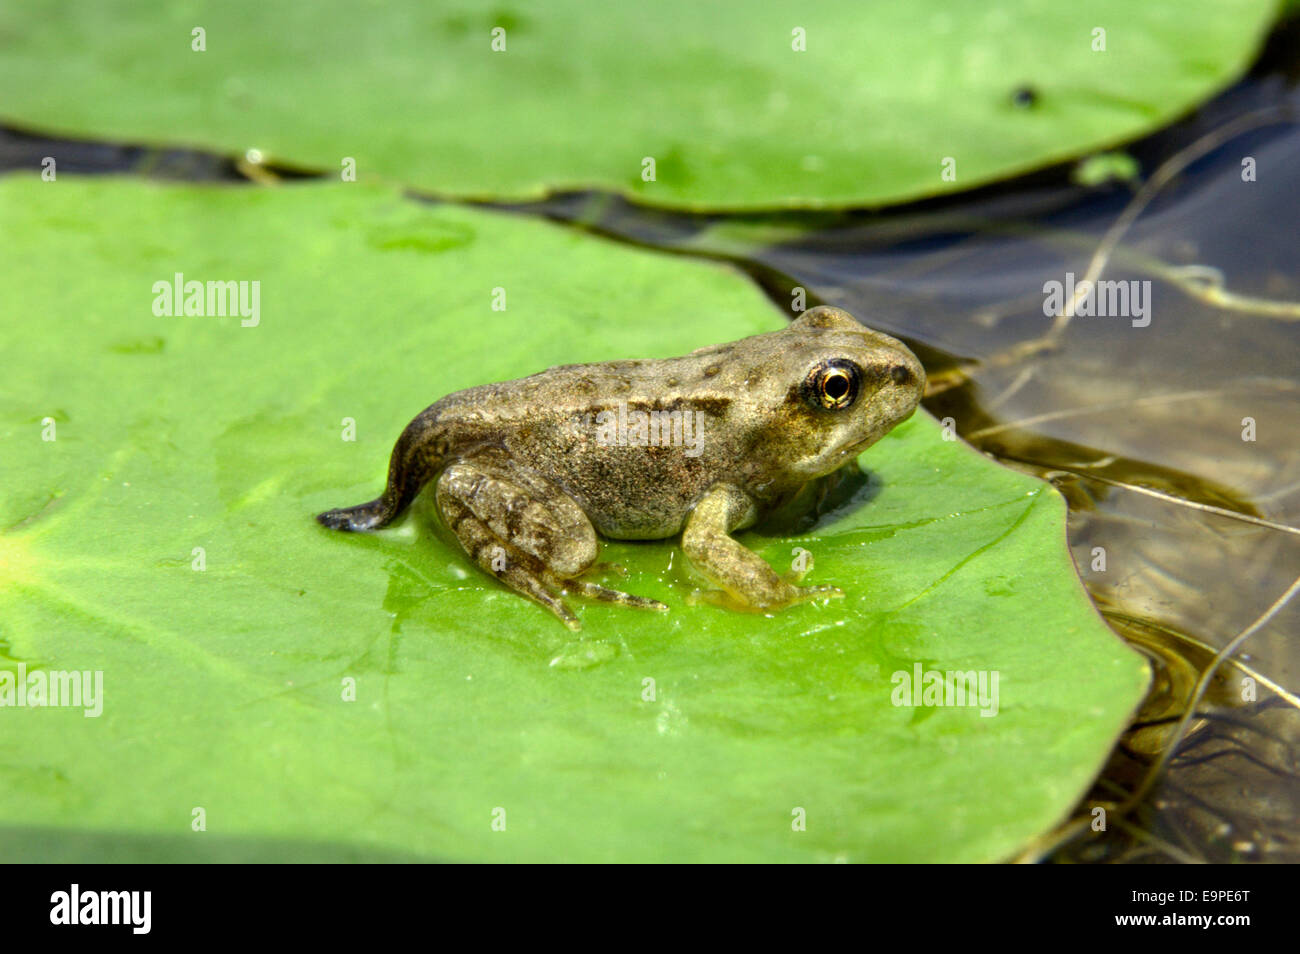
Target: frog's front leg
{"points": [[524, 530], [741, 572]]}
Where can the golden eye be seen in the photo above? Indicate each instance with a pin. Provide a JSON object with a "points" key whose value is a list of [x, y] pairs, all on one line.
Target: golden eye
{"points": [[834, 385]]}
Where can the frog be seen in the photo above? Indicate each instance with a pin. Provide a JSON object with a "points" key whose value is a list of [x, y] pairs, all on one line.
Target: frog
{"points": [[529, 474]]}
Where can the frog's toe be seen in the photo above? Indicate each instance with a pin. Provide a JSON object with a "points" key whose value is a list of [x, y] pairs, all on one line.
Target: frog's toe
{"points": [[597, 592], [791, 595], [538, 593], [763, 602], [806, 593]]}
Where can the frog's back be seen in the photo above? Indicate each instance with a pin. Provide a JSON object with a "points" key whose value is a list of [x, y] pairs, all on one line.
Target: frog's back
{"points": [[577, 425]]}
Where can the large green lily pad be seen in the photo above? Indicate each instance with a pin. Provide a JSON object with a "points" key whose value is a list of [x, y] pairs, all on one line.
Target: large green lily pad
{"points": [[223, 687], [715, 93]]}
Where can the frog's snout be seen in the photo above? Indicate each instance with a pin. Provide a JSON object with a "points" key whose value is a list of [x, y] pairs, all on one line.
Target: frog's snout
{"points": [[904, 384], [907, 372]]}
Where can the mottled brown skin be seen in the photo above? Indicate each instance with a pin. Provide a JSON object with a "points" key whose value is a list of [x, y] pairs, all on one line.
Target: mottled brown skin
{"points": [[526, 485]]}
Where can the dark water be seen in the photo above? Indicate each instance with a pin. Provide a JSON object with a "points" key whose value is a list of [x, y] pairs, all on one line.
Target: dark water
{"points": [[1141, 426]]}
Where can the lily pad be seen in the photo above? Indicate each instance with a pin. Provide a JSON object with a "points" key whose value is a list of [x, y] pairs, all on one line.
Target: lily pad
{"points": [[884, 102], [161, 474]]}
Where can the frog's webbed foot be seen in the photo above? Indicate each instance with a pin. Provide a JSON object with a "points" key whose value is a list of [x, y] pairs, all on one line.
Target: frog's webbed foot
{"points": [[747, 581], [525, 531]]}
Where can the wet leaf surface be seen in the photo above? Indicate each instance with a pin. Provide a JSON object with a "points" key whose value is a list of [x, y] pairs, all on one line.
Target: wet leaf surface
{"points": [[224, 687]]}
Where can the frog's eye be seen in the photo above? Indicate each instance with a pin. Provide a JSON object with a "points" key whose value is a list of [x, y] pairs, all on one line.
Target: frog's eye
{"points": [[834, 385]]}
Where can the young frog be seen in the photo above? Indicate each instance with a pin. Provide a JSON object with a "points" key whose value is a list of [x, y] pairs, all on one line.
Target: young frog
{"points": [[528, 472]]}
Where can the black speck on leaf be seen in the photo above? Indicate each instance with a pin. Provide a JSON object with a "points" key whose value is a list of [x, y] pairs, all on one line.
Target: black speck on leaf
{"points": [[1023, 97]]}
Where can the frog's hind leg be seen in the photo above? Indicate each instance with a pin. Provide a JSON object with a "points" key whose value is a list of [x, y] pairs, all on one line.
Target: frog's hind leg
{"points": [[491, 553], [525, 530]]}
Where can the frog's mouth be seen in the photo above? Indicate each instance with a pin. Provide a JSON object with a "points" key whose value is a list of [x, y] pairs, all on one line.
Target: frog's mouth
{"points": [[853, 450], [895, 422]]}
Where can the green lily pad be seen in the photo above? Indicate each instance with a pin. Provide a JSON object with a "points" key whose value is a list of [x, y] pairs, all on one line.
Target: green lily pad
{"points": [[692, 735], [869, 112]]}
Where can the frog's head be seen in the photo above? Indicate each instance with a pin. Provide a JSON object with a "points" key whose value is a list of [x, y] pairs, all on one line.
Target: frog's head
{"points": [[847, 386]]}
